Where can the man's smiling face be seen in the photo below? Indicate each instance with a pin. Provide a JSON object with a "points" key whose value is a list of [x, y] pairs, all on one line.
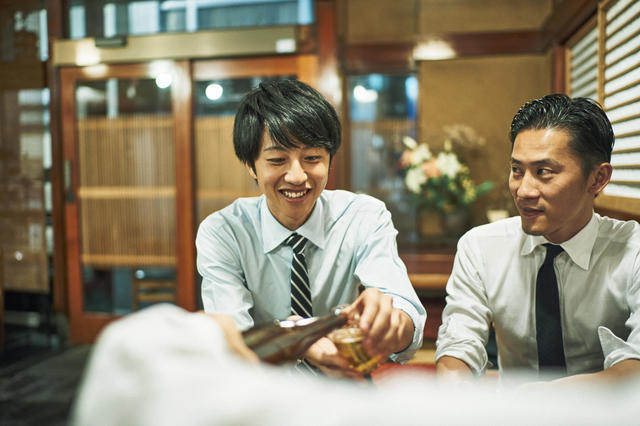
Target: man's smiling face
{"points": [[292, 179]]}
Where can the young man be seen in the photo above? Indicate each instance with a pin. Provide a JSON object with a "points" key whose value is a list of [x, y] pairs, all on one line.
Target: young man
{"points": [[286, 134], [559, 284]]}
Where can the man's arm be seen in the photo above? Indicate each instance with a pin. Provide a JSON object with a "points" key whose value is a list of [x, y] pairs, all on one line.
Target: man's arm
{"points": [[392, 315], [233, 337], [623, 370], [223, 288], [466, 317], [454, 368], [628, 369]]}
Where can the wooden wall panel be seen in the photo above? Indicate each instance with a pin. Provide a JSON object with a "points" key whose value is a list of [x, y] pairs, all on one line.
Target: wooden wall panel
{"points": [[382, 21], [445, 16], [483, 93], [375, 21]]}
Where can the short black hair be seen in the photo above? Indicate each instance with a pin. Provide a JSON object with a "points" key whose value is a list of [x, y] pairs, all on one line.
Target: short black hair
{"points": [[589, 129], [292, 111]]}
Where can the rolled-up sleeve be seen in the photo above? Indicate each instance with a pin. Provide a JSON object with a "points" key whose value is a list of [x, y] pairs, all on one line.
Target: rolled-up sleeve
{"points": [[614, 348], [379, 265], [466, 317]]}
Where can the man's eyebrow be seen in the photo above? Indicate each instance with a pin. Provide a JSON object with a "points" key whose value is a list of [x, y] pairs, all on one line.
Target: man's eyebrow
{"points": [[275, 148], [541, 162], [284, 148]]}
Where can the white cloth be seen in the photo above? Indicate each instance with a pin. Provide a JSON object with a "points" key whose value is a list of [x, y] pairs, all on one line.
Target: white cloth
{"points": [[246, 266], [494, 281], [164, 366]]}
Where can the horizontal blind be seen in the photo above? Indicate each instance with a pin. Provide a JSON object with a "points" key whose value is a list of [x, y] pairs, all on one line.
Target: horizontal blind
{"points": [[583, 66], [621, 94]]}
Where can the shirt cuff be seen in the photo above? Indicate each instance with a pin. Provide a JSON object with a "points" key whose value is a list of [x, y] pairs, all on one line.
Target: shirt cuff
{"points": [[418, 319], [615, 349]]}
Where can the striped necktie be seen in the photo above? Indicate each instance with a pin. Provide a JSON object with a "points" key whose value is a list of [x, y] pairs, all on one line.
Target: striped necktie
{"points": [[548, 323], [300, 290]]}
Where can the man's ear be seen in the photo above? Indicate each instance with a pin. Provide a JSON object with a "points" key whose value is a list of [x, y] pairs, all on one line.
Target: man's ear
{"points": [[600, 177], [252, 170]]}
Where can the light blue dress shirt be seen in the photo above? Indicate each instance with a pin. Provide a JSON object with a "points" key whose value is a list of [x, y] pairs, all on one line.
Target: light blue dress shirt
{"points": [[246, 267]]}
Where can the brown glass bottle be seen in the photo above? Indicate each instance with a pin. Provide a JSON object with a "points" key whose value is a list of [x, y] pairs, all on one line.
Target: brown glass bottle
{"points": [[283, 341]]}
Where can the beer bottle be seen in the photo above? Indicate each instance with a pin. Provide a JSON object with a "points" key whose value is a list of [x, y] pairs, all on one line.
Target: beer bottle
{"points": [[282, 341]]}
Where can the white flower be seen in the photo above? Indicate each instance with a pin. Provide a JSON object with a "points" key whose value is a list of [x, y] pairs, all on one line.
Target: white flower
{"points": [[409, 142], [449, 164], [414, 179], [420, 155]]}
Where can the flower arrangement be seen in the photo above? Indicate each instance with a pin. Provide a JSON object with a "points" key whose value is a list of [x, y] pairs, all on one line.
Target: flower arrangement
{"points": [[440, 181]]}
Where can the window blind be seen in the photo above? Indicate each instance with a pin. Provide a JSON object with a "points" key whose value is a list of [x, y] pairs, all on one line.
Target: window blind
{"points": [[583, 65], [621, 93]]}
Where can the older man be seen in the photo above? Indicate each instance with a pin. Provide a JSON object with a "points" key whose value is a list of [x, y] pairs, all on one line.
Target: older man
{"points": [[560, 284]]}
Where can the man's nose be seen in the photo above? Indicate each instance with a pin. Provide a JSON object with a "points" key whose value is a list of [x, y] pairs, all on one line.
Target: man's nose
{"points": [[528, 187], [296, 174]]}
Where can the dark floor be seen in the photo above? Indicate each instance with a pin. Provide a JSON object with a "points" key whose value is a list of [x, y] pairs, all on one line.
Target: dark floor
{"points": [[38, 378]]}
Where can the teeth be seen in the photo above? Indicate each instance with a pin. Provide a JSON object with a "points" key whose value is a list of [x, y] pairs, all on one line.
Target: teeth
{"points": [[294, 194]]}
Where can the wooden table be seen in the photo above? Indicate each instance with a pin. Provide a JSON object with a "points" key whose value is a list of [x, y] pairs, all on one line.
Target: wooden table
{"points": [[429, 270]]}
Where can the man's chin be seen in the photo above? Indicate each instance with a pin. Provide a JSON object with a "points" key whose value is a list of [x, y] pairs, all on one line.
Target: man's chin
{"points": [[531, 230]]}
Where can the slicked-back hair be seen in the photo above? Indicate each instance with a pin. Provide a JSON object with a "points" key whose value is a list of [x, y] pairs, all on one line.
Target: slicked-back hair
{"points": [[292, 112], [590, 134]]}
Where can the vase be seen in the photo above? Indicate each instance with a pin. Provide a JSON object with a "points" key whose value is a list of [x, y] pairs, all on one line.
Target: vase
{"points": [[430, 223], [456, 222]]}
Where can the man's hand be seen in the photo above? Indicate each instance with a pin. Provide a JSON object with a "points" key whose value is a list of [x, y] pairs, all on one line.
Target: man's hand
{"points": [[323, 354], [233, 336], [387, 330]]}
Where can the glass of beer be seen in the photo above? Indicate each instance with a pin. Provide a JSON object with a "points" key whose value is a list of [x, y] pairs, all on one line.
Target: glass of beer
{"points": [[348, 340]]}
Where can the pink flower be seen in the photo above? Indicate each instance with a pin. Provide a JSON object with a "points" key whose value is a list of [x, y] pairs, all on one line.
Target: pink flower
{"points": [[406, 159], [430, 168]]}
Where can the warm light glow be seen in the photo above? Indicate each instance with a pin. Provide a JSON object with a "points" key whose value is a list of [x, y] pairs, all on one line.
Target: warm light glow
{"points": [[433, 50], [364, 95], [96, 71], [285, 45], [213, 91], [163, 80], [87, 54]]}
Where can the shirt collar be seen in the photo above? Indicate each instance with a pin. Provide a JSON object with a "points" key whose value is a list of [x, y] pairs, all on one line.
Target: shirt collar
{"points": [[579, 247], [274, 234]]}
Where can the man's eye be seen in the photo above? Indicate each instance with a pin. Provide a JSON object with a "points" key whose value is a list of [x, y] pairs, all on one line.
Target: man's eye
{"points": [[275, 160], [515, 170], [313, 158], [544, 172]]}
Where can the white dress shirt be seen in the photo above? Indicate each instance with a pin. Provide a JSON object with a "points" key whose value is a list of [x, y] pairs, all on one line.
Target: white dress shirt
{"points": [[246, 267], [494, 281]]}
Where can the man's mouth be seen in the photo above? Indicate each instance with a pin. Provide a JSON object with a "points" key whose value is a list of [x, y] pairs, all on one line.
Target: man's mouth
{"points": [[530, 211], [294, 194]]}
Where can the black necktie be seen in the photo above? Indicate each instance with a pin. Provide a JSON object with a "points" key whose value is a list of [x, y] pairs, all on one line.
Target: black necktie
{"points": [[548, 324], [300, 290]]}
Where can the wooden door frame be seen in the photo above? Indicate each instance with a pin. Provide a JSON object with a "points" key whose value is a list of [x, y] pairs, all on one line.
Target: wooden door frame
{"points": [[84, 326]]}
